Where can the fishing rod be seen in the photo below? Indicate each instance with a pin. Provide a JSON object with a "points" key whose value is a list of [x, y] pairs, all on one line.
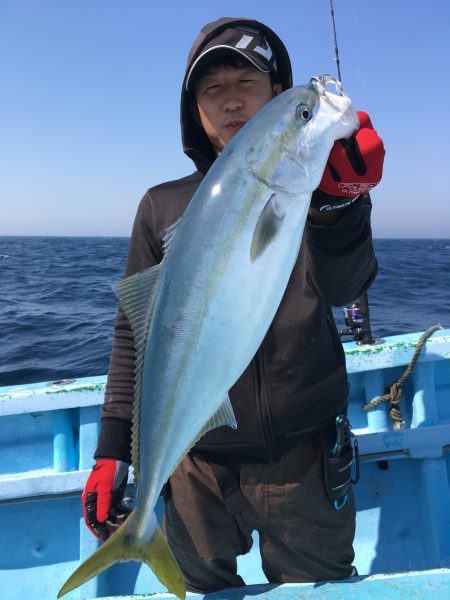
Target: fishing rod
{"points": [[357, 318], [336, 50]]}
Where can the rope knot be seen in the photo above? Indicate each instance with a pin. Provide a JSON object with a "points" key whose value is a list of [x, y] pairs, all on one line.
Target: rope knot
{"points": [[393, 394]]}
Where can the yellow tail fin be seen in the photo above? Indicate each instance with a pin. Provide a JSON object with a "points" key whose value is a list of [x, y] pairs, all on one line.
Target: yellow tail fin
{"points": [[124, 545]]}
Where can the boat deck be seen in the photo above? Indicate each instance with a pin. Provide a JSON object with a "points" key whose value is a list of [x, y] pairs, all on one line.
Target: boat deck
{"points": [[48, 433], [426, 585]]}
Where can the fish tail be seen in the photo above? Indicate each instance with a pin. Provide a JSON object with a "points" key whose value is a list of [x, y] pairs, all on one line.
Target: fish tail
{"points": [[125, 545]]}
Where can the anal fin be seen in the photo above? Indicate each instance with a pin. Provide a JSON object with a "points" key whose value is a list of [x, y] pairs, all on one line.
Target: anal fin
{"points": [[223, 416]]}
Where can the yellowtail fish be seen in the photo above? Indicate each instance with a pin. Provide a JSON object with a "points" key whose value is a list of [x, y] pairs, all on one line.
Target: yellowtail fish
{"points": [[199, 317]]}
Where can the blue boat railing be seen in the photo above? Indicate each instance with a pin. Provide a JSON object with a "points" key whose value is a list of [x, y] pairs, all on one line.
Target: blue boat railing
{"points": [[48, 434]]}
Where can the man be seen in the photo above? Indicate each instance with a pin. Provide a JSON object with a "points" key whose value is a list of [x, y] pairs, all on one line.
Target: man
{"points": [[273, 473]]}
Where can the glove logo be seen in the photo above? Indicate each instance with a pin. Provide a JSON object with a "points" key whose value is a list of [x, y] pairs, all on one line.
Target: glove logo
{"points": [[355, 189], [337, 206]]}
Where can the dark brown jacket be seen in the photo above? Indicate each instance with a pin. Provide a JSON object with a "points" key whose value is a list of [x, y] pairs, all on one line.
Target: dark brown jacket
{"points": [[297, 380]]}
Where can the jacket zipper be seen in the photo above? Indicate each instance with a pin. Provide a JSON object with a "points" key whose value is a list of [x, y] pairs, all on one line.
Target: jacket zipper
{"points": [[262, 402]]}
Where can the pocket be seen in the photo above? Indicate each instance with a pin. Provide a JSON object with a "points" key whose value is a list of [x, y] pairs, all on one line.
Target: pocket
{"points": [[338, 476]]}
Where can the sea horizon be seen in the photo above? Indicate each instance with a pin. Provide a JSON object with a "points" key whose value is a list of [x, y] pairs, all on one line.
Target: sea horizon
{"points": [[111, 236]]}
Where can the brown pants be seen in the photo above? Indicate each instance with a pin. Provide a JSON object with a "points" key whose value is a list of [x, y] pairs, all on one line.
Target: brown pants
{"points": [[302, 537]]}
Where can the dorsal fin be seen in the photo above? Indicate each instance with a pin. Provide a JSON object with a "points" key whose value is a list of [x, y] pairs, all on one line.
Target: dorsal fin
{"points": [[170, 235], [137, 296]]}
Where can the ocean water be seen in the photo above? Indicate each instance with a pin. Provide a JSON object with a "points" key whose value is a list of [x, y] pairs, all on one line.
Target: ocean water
{"points": [[57, 305]]}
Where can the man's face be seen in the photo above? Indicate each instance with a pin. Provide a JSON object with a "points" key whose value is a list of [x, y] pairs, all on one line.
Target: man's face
{"points": [[228, 97]]}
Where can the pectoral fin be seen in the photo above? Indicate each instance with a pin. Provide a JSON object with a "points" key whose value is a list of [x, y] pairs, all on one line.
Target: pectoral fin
{"points": [[267, 227]]}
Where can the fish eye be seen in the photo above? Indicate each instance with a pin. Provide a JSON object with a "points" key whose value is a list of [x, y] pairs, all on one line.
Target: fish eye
{"points": [[302, 112]]}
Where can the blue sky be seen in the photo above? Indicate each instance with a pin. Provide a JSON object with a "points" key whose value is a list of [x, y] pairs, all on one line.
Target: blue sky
{"points": [[89, 99]]}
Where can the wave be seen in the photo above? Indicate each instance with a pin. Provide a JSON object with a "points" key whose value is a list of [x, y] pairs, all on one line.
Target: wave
{"points": [[58, 308]]}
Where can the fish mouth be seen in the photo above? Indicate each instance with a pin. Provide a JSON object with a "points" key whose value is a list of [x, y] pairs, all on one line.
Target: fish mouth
{"points": [[319, 83], [338, 101]]}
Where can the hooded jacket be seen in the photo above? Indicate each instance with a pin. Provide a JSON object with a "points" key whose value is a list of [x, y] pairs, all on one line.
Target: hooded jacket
{"points": [[297, 381]]}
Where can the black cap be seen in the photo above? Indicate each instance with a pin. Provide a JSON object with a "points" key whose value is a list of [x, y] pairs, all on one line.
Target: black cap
{"points": [[247, 42]]}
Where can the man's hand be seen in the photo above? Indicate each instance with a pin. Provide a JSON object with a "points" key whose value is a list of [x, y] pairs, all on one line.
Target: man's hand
{"points": [[354, 167], [102, 496]]}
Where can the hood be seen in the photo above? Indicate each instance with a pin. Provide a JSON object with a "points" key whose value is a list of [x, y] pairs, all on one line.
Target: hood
{"points": [[196, 143]]}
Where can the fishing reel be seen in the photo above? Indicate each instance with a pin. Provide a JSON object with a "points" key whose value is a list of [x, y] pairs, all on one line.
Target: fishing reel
{"points": [[357, 322]]}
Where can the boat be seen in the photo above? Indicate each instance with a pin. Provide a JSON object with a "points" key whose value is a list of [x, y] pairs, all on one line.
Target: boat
{"points": [[48, 434]]}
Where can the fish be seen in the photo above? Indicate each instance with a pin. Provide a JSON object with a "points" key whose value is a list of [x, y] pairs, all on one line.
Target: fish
{"points": [[199, 316]]}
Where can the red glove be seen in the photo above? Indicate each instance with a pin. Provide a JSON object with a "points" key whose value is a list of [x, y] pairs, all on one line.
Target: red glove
{"points": [[354, 167], [102, 496]]}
